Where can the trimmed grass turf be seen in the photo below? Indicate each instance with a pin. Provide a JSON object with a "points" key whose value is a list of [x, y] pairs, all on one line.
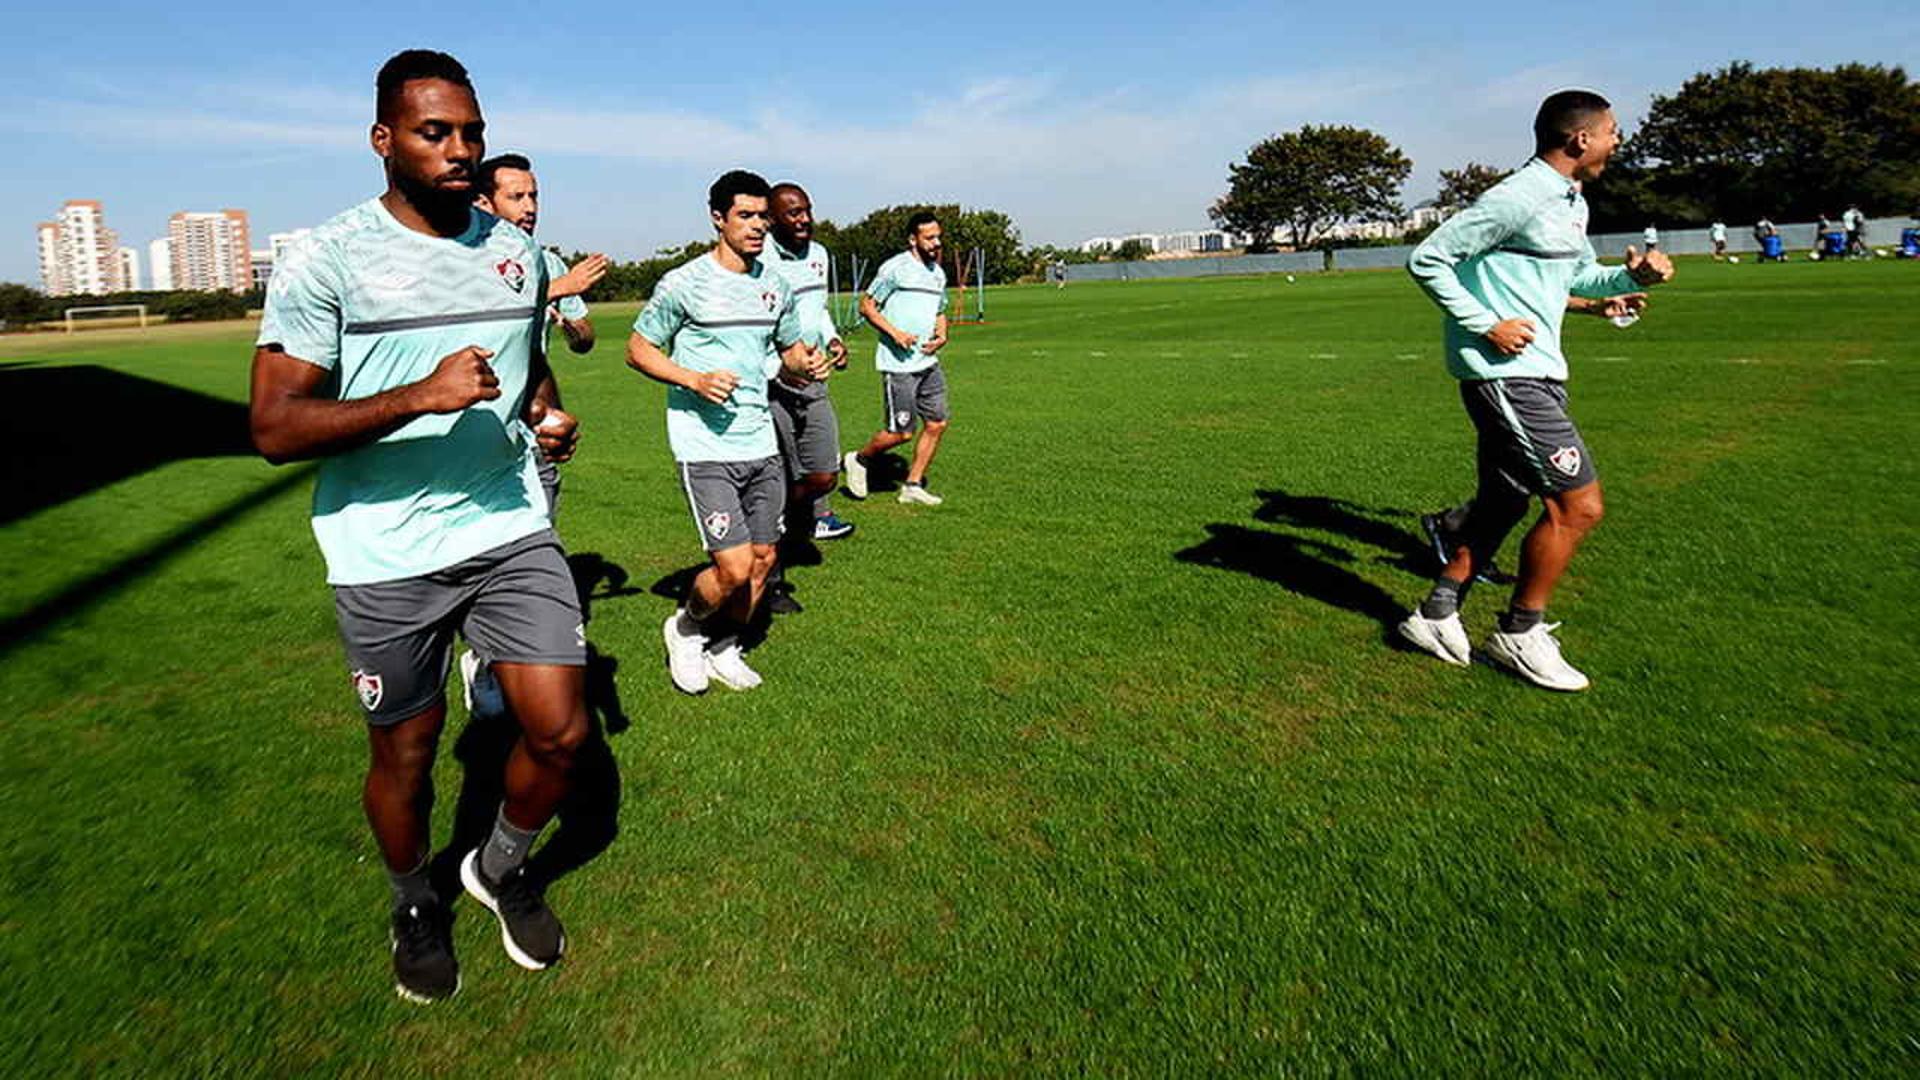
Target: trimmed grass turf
{"points": [[1104, 766]]}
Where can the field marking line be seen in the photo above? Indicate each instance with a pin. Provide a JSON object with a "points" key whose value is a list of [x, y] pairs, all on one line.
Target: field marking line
{"points": [[1323, 356], [1406, 356], [1867, 362], [1741, 360], [1098, 353], [1610, 359]]}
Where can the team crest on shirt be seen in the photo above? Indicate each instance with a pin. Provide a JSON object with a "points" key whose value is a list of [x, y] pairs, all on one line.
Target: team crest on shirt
{"points": [[368, 686], [817, 267], [769, 298], [1567, 460], [512, 273], [718, 523]]}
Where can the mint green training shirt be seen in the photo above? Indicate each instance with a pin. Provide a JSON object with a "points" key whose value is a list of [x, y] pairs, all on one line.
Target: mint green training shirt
{"points": [[1516, 253], [709, 318], [806, 273], [912, 295], [379, 305]]}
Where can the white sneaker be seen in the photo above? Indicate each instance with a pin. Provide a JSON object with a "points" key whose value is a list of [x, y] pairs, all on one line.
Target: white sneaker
{"points": [[469, 667], [1445, 638], [918, 493], [1535, 657], [686, 656], [856, 474], [727, 664]]}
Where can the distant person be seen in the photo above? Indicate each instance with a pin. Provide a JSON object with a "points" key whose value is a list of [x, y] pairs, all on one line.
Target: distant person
{"points": [[1651, 237], [1763, 229], [1718, 231], [907, 304], [1856, 224], [803, 416], [716, 329], [401, 345], [1503, 270]]}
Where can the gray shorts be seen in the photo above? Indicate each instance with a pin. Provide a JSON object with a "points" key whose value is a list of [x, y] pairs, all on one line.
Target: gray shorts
{"points": [[808, 429], [1528, 443], [736, 502], [514, 603], [912, 395], [549, 482]]}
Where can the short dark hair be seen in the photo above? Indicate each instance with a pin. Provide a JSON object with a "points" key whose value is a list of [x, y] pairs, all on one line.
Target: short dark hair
{"points": [[1562, 115], [405, 67], [489, 178], [788, 185], [919, 218], [736, 182]]}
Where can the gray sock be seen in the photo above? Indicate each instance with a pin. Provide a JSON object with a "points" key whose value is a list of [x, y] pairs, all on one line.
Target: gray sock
{"points": [[507, 848], [1519, 620], [1444, 600], [413, 888]]}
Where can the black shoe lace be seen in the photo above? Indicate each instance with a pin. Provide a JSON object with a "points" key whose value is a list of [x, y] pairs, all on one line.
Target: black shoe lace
{"points": [[517, 895], [418, 931]]}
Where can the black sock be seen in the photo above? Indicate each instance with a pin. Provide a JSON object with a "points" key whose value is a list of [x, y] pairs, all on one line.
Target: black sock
{"points": [[1444, 600], [413, 888], [1519, 620]]}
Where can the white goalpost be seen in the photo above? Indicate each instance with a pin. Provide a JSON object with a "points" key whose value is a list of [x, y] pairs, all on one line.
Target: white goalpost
{"points": [[102, 313]]}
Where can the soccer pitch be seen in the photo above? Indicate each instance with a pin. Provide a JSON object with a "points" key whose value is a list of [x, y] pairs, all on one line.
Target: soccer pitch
{"points": [[1106, 766]]}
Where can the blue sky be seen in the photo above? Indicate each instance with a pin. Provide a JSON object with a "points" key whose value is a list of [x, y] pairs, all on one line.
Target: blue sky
{"points": [[1078, 119]]}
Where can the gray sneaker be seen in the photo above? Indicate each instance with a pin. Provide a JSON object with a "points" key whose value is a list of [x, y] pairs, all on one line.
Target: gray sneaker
{"points": [[856, 474], [686, 656], [919, 495]]}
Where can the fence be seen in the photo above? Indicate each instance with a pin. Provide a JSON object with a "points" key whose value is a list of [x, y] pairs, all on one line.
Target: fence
{"points": [[1881, 233]]}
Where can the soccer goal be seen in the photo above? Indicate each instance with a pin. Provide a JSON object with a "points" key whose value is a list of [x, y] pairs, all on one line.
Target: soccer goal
{"points": [[101, 315], [970, 278]]}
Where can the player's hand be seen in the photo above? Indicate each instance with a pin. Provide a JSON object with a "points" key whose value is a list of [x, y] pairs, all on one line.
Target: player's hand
{"points": [[933, 344], [837, 352], [556, 431], [905, 341], [715, 386], [1650, 269], [1511, 336], [460, 379], [578, 280], [1614, 307]]}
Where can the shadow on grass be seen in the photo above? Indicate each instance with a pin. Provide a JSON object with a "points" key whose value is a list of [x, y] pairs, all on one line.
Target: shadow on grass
{"points": [[71, 429], [1312, 567], [81, 594], [588, 819]]}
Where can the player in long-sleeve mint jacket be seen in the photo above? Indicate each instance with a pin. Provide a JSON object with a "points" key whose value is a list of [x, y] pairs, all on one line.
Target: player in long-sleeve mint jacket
{"points": [[1502, 271]]}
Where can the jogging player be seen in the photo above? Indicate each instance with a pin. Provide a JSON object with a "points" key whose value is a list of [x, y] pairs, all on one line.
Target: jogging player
{"points": [[1503, 270], [402, 345], [907, 304], [803, 417], [711, 332]]}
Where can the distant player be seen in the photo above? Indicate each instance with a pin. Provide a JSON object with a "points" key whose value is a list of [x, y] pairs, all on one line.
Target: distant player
{"points": [[1718, 231], [907, 304], [402, 344], [1651, 237], [1856, 226], [1503, 270], [803, 416], [711, 332]]}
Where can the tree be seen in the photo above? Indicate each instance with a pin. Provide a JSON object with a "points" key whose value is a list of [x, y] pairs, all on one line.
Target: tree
{"points": [[1130, 250], [883, 233], [1785, 143], [1459, 187], [1306, 180]]}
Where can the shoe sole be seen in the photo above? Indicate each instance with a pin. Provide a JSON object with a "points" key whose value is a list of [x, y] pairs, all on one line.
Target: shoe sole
{"points": [[667, 635], [424, 999], [1512, 666], [1429, 644], [470, 877], [837, 534]]}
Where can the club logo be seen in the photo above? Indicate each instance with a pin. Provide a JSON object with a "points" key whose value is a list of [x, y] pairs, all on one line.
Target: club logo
{"points": [[817, 267], [718, 523], [367, 684], [902, 417], [1567, 460], [580, 634], [769, 299], [512, 273]]}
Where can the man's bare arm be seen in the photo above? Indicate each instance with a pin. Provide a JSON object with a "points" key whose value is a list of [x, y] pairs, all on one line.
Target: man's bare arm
{"points": [[290, 423], [870, 311], [646, 358]]}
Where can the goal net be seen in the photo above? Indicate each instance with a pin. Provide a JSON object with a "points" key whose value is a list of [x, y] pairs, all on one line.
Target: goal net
{"points": [[103, 315]]}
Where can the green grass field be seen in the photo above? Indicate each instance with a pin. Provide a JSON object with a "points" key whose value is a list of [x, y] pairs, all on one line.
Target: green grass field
{"points": [[1106, 766]]}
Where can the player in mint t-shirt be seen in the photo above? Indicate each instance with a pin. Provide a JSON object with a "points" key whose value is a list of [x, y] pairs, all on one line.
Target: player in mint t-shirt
{"points": [[716, 329], [402, 346], [907, 304]]}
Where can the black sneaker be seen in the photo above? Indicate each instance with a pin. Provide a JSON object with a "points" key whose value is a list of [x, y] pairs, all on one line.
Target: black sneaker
{"points": [[1443, 547], [528, 927], [424, 969], [780, 601]]}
